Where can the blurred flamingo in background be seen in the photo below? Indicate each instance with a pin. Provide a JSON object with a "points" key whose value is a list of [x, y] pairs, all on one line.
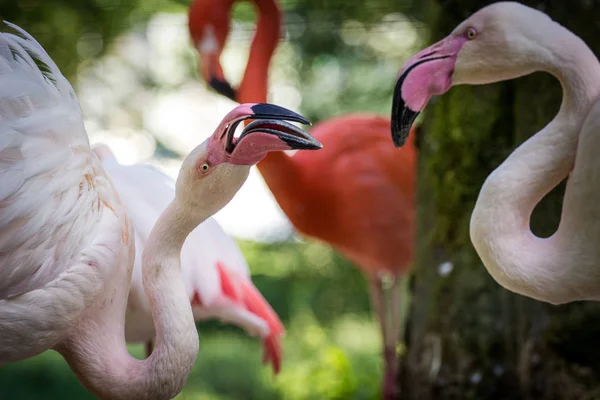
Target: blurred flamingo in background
{"points": [[66, 244], [357, 194], [214, 270]]}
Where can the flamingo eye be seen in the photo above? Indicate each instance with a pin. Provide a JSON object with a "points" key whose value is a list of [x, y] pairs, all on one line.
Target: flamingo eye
{"points": [[204, 167], [471, 33]]}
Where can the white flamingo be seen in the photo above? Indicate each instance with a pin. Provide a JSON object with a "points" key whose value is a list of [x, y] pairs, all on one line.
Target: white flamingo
{"points": [[66, 244], [215, 272], [503, 41]]}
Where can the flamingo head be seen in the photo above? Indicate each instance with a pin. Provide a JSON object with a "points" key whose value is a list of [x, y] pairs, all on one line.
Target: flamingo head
{"points": [[208, 23], [218, 167], [502, 41]]}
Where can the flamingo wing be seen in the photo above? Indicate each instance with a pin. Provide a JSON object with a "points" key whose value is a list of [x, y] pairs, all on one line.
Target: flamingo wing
{"points": [[52, 187]]}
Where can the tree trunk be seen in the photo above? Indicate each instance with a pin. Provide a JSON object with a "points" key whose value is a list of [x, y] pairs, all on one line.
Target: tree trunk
{"points": [[468, 337]]}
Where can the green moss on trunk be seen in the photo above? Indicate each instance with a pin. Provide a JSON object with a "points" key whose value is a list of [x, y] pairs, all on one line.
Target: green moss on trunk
{"points": [[468, 337]]}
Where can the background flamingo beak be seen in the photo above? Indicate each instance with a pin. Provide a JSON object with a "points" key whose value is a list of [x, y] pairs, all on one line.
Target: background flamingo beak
{"points": [[212, 73]]}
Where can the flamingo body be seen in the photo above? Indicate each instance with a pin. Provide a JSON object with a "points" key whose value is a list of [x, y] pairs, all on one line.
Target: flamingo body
{"points": [[356, 192]]}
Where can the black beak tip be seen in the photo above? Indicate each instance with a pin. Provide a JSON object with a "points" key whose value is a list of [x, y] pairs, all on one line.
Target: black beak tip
{"points": [[296, 143], [223, 88], [402, 120], [400, 135], [267, 110], [316, 145]]}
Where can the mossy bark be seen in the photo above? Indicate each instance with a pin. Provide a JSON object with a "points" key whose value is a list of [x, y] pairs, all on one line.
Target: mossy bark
{"points": [[468, 337]]}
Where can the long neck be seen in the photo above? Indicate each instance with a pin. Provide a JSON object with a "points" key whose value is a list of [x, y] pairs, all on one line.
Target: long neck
{"points": [[97, 351], [277, 168], [281, 174], [500, 223], [254, 85]]}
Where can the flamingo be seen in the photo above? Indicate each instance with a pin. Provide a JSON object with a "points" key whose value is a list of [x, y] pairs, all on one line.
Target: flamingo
{"points": [[215, 271], [357, 194], [504, 41], [66, 243]]}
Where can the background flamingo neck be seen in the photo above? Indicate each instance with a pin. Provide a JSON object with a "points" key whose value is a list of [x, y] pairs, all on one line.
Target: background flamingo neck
{"points": [[500, 223], [254, 84], [280, 173], [277, 168]]}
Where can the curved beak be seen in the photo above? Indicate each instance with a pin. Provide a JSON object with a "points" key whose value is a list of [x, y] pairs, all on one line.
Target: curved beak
{"points": [[403, 116], [269, 131], [212, 73], [272, 120], [427, 74], [296, 138], [223, 87]]}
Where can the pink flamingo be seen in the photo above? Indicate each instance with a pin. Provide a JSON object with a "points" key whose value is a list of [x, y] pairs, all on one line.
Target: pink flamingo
{"points": [[214, 269], [346, 195], [503, 41], [66, 244]]}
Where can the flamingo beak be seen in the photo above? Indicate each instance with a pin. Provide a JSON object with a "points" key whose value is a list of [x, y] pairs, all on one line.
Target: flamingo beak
{"points": [[427, 74], [270, 119], [212, 73], [222, 87], [269, 131]]}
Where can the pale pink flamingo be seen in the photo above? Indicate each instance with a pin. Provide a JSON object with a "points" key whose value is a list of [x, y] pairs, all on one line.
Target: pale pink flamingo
{"points": [[503, 41], [66, 244], [215, 272]]}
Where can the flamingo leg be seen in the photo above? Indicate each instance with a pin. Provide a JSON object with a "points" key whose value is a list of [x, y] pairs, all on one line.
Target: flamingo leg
{"points": [[390, 390], [400, 299], [378, 300], [399, 306], [149, 347]]}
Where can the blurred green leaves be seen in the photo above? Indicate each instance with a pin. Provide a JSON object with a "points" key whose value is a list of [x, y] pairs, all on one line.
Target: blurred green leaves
{"points": [[349, 53], [298, 275], [74, 31]]}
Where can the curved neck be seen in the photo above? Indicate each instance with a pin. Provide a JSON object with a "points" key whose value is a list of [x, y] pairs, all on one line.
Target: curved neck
{"points": [[254, 85], [277, 168], [97, 351], [500, 223], [280, 173]]}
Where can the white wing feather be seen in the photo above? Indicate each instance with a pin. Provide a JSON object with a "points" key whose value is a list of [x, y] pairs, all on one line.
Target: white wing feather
{"points": [[54, 232], [44, 154]]}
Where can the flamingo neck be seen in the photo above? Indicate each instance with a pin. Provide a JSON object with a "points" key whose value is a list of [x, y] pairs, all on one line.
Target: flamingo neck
{"points": [[277, 168], [280, 173], [500, 223], [254, 84], [97, 351]]}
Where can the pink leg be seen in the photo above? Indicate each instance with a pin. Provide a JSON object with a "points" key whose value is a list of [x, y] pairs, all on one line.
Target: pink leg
{"points": [[382, 310]]}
